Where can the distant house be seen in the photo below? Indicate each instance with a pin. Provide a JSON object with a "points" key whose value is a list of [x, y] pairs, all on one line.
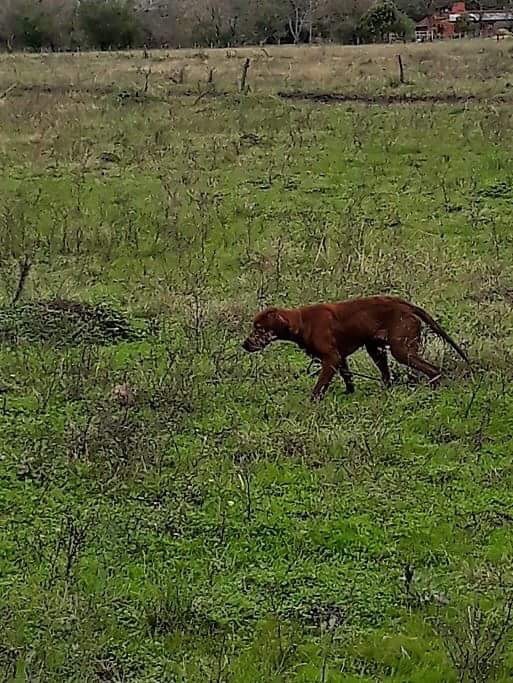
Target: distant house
{"points": [[434, 27], [445, 23], [425, 30]]}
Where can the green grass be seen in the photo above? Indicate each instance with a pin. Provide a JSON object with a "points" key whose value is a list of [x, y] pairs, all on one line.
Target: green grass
{"points": [[224, 528]]}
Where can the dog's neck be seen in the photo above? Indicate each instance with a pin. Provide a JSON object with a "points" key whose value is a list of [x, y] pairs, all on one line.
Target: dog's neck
{"points": [[293, 332]]}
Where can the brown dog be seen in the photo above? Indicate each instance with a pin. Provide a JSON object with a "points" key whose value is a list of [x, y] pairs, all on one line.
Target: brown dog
{"points": [[332, 332]]}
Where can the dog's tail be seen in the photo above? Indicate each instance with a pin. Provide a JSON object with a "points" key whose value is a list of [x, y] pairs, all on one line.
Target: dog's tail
{"points": [[438, 329]]}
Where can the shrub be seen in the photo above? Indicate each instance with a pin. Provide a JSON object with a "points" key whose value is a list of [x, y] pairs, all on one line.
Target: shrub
{"points": [[108, 23]]}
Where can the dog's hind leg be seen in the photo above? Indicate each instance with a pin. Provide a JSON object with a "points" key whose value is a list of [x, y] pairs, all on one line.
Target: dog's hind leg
{"points": [[379, 356], [405, 344], [344, 370]]}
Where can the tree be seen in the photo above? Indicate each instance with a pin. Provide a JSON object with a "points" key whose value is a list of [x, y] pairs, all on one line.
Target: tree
{"points": [[108, 23], [268, 21], [338, 20], [380, 20], [215, 22], [36, 25], [464, 25], [32, 30], [301, 19], [9, 11], [158, 24], [418, 9], [404, 27], [296, 20]]}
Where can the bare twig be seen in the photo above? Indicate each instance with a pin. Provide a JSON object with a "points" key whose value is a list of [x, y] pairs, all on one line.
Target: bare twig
{"points": [[200, 97], [6, 92], [475, 391], [25, 265]]}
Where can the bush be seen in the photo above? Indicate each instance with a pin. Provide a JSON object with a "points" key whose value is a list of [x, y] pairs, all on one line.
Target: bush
{"points": [[37, 25], [108, 23], [32, 30]]}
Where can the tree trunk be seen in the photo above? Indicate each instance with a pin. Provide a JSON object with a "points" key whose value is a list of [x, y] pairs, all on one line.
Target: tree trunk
{"points": [[295, 26]]}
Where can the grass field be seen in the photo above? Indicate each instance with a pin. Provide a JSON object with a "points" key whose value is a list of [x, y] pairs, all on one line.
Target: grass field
{"points": [[481, 68], [216, 525]]}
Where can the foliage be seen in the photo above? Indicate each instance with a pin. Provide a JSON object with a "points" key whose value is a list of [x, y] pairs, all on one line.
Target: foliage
{"points": [[418, 9], [464, 25], [108, 23], [266, 22], [45, 24], [34, 29], [404, 26], [380, 20]]}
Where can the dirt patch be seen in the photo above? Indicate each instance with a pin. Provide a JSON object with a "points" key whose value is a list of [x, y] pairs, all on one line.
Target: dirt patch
{"points": [[399, 98], [71, 89], [319, 97], [60, 89]]}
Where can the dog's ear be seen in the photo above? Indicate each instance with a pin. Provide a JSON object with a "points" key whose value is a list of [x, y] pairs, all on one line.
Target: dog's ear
{"points": [[278, 318]]}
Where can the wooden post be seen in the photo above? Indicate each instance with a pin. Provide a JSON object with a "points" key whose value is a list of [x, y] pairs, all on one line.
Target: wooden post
{"points": [[244, 77], [401, 69], [147, 75]]}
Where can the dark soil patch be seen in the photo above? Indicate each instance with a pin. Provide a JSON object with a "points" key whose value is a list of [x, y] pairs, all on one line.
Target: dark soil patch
{"points": [[446, 98], [320, 97], [61, 89]]}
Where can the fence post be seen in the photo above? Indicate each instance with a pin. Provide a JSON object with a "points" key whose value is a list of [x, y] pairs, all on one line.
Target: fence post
{"points": [[244, 77], [401, 68]]}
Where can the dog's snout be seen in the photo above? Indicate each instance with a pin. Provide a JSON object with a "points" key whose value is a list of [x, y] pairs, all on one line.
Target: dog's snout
{"points": [[250, 345]]}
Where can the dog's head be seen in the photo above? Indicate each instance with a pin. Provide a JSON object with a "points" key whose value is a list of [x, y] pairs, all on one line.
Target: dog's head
{"points": [[268, 326]]}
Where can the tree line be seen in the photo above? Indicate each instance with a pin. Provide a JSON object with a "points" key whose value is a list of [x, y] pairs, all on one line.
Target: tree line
{"points": [[116, 24]]}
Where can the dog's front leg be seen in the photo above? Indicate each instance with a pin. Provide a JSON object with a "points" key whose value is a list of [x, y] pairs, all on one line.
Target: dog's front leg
{"points": [[328, 369]]}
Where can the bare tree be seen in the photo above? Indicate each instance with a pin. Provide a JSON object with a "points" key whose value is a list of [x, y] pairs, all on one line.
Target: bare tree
{"points": [[301, 18]]}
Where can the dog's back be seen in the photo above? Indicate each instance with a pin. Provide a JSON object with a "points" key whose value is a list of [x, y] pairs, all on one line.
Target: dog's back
{"points": [[362, 316]]}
